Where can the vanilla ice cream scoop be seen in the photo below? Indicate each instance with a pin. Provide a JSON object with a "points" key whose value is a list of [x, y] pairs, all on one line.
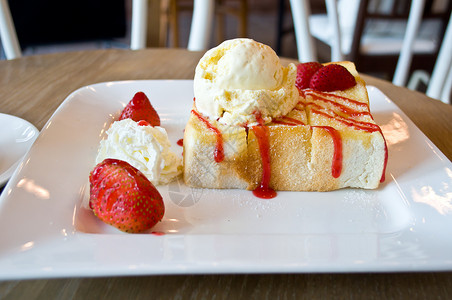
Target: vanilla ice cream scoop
{"points": [[241, 79], [146, 148]]}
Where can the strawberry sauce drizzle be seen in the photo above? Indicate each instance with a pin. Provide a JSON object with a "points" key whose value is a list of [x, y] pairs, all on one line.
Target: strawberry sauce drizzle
{"points": [[323, 94], [288, 121], [180, 142], [218, 152], [158, 233], [336, 167], [292, 120], [366, 126], [283, 122], [261, 131], [344, 109]]}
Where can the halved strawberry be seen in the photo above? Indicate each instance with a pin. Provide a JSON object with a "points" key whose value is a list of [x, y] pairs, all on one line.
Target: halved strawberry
{"points": [[332, 77], [143, 123], [305, 71], [121, 196], [140, 108]]}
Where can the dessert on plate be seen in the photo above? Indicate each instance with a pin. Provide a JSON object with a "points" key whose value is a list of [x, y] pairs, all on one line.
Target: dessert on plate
{"points": [[258, 125], [137, 138], [134, 157], [147, 148]]}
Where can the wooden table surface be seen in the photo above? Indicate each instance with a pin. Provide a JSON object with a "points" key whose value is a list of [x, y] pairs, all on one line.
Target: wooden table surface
{"points": [[33, 87]]}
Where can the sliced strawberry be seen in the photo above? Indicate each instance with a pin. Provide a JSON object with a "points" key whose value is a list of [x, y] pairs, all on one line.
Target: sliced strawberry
{"points": [[123, 197], [305, 71], [140, 108], [143, 123], [332, 77]]}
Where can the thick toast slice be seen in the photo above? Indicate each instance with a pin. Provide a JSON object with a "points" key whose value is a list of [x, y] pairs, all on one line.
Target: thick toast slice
{"points": [[327, 142]]}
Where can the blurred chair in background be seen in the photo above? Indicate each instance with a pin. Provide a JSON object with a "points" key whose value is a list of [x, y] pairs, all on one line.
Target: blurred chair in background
{"points": [[404, 61], [205, 12], [53, 22], [373, 31], [301, 13], [237, 9], [166, 13], [200, 30], [36, 25], [8, 32], [169, 20], [439, 84], [385, 37]]}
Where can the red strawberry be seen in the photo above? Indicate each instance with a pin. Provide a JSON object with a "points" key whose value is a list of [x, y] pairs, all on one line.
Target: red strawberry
{"points": [[123, 197], [305, 71], [140, 108], [143, 123], [332, 77]]}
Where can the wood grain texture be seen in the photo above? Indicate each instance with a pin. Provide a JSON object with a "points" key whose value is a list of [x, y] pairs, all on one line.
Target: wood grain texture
{"points": [[33, 88], [265, 286]]}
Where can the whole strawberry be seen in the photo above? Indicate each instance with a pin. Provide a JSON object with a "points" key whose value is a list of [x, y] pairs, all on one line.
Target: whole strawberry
{"points": [[123, 197], [305, 71], [332, 77], [140, 108]]}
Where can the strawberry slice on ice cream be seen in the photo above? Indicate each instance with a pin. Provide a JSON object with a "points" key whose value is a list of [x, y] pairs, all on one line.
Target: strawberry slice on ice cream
{"points": [[305, 71], [324, 78], [332, 77]]}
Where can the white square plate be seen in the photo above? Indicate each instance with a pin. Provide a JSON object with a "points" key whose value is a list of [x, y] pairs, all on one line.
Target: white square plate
{"points": [[46, 231]]}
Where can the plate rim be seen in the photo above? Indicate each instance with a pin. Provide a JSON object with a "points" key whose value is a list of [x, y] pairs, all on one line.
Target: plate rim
{"points": [[10, 171]]}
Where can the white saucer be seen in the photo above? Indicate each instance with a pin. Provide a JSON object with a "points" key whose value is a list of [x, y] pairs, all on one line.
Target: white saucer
{"points": [[16, 137]]}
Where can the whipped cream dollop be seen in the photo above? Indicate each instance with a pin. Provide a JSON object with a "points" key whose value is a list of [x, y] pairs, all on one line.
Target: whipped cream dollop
{"points": [[146, 148], [242, 80]]}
